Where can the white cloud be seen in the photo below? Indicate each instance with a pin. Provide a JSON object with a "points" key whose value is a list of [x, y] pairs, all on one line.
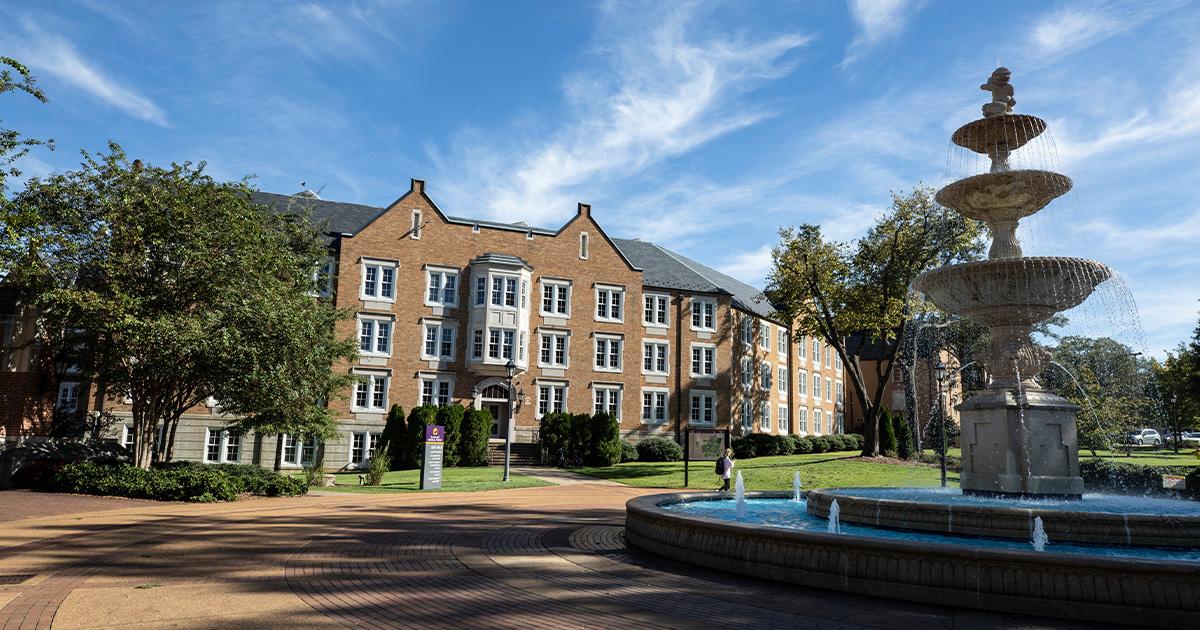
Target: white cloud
{"points": [[663, 92], [750, 267], [1071, 28], [877, 21], [55, 56]]}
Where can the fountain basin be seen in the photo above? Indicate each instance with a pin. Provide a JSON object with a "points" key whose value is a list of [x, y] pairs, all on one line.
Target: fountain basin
{"points": [[998, 133], [1003, 196], [1158, 592], [1064, 521], [1012, 291]]}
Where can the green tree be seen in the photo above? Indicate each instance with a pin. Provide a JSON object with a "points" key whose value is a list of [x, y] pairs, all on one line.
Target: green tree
{"points": [[177, 288], [887, 433], [903, 432], [395, 432], [477, 429], [451, 417], [15, 77], [414, 441], [831, 289], [605, 447], [1177, 380]]}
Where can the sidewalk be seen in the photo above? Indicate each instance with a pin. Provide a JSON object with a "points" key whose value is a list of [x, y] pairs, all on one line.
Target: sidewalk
{"points": [[561, 477]]}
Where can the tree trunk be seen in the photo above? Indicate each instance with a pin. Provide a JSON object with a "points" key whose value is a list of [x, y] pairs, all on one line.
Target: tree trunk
{"points": [[870, 432]]}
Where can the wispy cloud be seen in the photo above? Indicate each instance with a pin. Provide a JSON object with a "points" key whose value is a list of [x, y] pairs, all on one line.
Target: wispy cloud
{"points": [[877, 22], [57, 57], [1068, 29], [750, 267], [664, 90]]}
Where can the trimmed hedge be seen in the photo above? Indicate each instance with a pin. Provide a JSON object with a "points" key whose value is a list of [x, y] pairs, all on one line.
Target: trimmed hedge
{"points": [[451, 417], [629, 452], [743, 448], [605, 446], [395, 437], [657, 449], [804, 446], [766, 445], [476, 430], [592, 440], [185, 482], [1124, 478]]}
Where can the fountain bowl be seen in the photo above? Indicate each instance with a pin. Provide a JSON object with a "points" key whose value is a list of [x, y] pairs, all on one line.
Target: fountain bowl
{"points": [[1012, 291], [1163, 593], [1003, 196], [998, 133]]}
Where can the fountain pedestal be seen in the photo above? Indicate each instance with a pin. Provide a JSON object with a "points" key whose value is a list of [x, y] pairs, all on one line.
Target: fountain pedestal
{"points": [[1019, 442]]}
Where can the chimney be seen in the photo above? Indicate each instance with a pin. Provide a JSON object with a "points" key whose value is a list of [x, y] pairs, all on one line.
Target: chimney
{"points": [[585, 210], [418, 186]]}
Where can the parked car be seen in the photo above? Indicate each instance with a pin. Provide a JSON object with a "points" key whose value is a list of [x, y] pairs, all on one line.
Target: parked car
{"points": [[1145, 437], [1190, 438]]}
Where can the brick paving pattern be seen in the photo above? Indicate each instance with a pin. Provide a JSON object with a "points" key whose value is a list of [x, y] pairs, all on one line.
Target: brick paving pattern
{"points": [[534, 558]]}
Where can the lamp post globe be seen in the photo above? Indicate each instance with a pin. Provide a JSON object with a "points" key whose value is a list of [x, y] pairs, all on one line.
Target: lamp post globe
{"points": [[511, 368], [939, 372]]}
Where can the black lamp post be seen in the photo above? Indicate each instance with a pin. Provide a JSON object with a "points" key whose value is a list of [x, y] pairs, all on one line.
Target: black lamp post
{"points": [[512, 372], [939, 371]]}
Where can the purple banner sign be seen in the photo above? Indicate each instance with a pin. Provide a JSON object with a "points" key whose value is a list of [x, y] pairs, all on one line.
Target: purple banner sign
{"points": [[435, 433]]}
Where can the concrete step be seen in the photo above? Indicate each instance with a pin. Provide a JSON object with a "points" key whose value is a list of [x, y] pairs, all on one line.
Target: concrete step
{"points": [[522, 454]]}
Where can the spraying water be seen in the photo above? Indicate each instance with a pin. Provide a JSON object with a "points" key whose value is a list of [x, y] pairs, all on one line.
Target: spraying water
{"points": [[1039, 535], [834, 526], [796, 487], [739, 494]]}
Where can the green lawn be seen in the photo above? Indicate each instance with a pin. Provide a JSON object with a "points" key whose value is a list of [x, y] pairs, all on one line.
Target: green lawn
{"points": [[817, 470], [1144, 456], [453, 480]]}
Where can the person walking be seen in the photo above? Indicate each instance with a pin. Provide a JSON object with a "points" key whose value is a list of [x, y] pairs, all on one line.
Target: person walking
{"points": [[725, 469]]}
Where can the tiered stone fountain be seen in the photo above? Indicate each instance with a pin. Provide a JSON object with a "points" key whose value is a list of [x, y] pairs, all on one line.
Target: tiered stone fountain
{"points": [[1017, 438]]}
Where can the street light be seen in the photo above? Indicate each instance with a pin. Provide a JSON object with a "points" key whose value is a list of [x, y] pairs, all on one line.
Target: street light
{"points": [[939, 372], [512, 372]]}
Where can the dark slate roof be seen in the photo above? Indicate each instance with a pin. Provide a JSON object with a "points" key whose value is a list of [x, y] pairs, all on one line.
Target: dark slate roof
{"points": [[665, 269], [868, 348], [492, 258], [343, 218]]}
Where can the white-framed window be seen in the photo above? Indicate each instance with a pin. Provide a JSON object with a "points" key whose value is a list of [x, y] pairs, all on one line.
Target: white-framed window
{"points": [[704, 360], [816, 355], [298, 451], [556, 298], [362, 447], [524, 293], [437, 389], [417, 224], [608, 353], [553, 349], [221, 446], [521, 347], [607, 399], [127, 435], [654, 405], [764, 335], [828, 389], [375, 336], [816, 387], [841, 423], [828, 359], [764, 376], [764, 415], [477, 343], [481, 290], [324, 275], [747, 415], [804, 420], [654, 309], [704, 314], [610, 302], [747, 372], [371, 393], [655, 357], [803, 382], [839, 392], [378, 280], [439, 341], [441, 286], [501, 342], [781, 380], [829, 421], [67, 400], [817, 421], [552, 398], [583, 246], [781, 341], [504, 291], [747, 332], [837, 361], [703, 407], [802, 348], [783, 419]]}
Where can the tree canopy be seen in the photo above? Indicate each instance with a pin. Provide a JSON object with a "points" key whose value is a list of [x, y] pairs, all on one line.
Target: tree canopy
{"points": [[177, 288], [832, 289]]}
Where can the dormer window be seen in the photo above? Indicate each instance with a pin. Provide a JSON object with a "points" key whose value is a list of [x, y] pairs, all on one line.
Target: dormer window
{"points": [[416, 224], [583, 246]]}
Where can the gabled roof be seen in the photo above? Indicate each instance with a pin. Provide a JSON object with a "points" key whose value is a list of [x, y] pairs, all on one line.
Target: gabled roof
{"points": [[868, 348], [343, 218], [665, 269]]}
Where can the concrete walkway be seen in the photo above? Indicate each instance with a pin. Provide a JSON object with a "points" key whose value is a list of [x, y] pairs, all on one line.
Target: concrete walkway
{"points": [[548, 557], [560, 477]]}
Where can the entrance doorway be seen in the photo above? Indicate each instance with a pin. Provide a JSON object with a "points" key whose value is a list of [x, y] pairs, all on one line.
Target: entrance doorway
{"points": [[494, 399]]}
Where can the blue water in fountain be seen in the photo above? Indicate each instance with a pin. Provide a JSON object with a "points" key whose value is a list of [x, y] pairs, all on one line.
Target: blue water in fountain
{"points": [[1104, 503], [788, 514]]}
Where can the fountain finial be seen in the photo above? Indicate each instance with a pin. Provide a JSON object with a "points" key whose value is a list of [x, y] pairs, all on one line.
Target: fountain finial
{"points": [[1002, 93]]}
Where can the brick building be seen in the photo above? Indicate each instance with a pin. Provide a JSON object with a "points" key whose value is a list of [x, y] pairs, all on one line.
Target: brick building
{"points": [[924, 386], [591, 322]]}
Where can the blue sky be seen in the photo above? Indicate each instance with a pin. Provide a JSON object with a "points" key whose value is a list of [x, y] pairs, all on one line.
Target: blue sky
{"points": [[701, 126]]}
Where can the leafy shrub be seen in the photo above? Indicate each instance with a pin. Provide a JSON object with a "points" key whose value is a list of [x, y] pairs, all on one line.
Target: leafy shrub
{"points": [[554, 432], [476, 430], [395, 436], [1125, 478], [313, 475], [804, 446], [451, 417], [418, 419], [787, 444], [764, 445], [835, 442], [605, 446], [379, 464], [819, 444], [580, 437], [887, 433], [658, 449], [629, 452], [857, 440], [904, 437], [953, 463], [744, 448], [32, 464], [194, 482]]}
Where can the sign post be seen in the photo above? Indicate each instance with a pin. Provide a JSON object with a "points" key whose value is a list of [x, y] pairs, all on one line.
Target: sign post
{"points": [[431, 463], [702, 445]]}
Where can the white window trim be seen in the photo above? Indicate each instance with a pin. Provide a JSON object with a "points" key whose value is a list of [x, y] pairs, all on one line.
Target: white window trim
{"points": [[646, 344], [516, 306], [783, 419], [553, 282], [363, 263], [371, 377], [75, 387], [769, 370], [620, 339], [445, 271], [782, 334], [665, 297], [764, 416], [300, 442], [608, 387], [802, 379], [418, 224], [566, 338], [828, 389], [584, 246], [709, 346], [747, 414], [373, 352], [666, 392], [781, 374], [127, 436], [441, 325], [223, 453], [611, 289], [692, 309], [747, 373], [538, 385], [703, 393], [437, 378], [370, 441]]}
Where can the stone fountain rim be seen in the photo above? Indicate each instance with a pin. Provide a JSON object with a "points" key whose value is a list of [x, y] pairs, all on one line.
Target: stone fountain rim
{"points": [[650, 506], [1023, 261], [960, 135], [1024, 173]]}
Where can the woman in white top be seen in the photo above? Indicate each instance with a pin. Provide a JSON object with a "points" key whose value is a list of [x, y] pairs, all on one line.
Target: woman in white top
{"points": [[725, 468]]}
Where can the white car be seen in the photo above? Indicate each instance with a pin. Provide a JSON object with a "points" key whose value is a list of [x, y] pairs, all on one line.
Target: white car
{"points": [[1190, 438], [1144, 437]]}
